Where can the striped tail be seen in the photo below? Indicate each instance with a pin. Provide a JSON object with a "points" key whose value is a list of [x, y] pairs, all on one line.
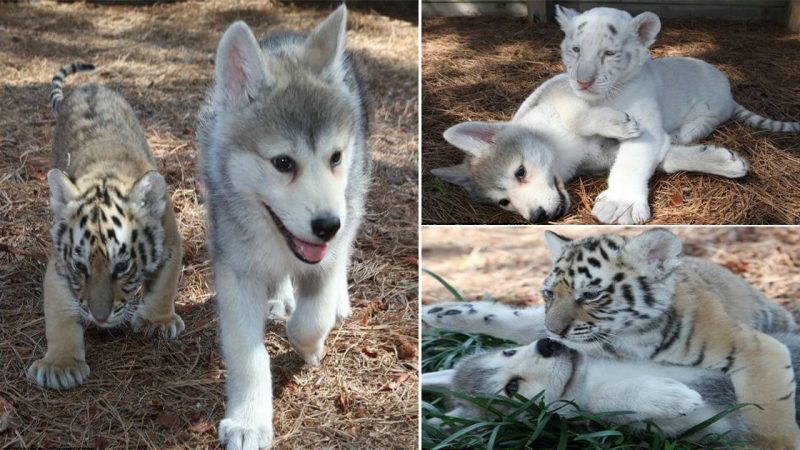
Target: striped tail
{"points": [[764, 123], [57, 86]]}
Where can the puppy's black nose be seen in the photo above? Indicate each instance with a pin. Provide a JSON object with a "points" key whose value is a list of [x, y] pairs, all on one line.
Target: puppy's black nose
{"points": [[537, 216], [548, 347], [325, 227]]}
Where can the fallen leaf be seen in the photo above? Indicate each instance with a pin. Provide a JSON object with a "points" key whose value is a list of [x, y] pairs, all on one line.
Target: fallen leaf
{"points": [[167, 420], [405, 349], [736, 266], [401, 377], [360, 412], [342, 402], [369, 352], [36, 168], [677, 199], [202, 426]]}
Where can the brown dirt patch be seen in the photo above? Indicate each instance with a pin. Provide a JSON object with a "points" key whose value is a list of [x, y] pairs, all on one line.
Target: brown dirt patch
{"points": [[510, 263], [153, 394], [483, 68]]}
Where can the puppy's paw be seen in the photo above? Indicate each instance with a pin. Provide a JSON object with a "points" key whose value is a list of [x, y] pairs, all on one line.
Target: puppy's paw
{"points": [[666, 398], [240, 435], [614, 208], [277, 311], [60, 374]]}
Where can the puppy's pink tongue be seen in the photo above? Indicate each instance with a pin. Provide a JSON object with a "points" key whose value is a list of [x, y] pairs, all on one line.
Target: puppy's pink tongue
{"points": [[312, 253]]}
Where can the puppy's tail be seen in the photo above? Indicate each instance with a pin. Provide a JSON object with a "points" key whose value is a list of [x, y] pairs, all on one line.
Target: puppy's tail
{"points": [[57, 86], [764, 123]]}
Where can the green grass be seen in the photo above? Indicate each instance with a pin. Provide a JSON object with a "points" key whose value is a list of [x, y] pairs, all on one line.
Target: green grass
{"points": [[531, 423]]}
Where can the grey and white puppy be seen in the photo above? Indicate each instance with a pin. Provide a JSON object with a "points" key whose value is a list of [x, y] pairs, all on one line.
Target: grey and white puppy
{"points": [[286, 170], [675, 398]]}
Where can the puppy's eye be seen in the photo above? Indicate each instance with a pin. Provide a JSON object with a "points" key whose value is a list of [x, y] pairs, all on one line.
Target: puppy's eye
{"points": [[504, 202], [520, 173], [512, 387], [609, 53], [509, 352], [283, 164], [336, 158], [589, 296], [576, 49]]}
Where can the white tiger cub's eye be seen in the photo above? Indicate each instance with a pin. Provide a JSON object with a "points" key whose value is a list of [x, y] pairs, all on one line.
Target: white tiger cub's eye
{"points": [[589, 296]]}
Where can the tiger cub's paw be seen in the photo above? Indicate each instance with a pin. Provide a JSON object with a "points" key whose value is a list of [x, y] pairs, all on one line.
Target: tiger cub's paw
{"points": [[167, 328], [65, 373]]}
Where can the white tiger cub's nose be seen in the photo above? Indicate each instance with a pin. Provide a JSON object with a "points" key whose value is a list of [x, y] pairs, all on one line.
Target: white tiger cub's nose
{"points": [[586, 84]]}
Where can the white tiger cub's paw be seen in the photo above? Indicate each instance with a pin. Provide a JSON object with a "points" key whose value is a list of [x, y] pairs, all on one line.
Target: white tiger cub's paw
{"points": [[167, 327], [622, 126], [725, 162], [59, 375], [239, 435], [665, 398], [471, 317], [614, 208]]}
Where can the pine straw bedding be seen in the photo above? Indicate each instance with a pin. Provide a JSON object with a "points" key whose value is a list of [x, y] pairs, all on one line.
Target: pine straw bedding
{"points": [[483, 68], [144, 393]]}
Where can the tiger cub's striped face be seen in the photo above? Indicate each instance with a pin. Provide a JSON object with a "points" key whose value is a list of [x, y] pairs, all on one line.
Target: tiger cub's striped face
{"points": [[107, 237], [603, 287]]}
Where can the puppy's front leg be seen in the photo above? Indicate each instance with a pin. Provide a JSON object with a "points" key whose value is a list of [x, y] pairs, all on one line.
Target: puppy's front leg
{"points": [[649, 397], [318, 295], [242, 313]]}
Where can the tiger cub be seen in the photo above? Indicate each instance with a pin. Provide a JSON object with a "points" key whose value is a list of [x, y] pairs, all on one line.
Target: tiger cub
{"points": [[640, 298], [113, 230]]}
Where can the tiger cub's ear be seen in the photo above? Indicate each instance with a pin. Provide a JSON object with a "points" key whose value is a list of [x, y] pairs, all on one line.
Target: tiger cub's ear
{"points": [[148, 196], [556, 243], [62, 191], [656, 252]]}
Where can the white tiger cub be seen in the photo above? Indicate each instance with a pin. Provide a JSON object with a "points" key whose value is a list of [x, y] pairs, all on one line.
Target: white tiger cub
{"points": [[639, 298], [113, 231], [605, 52]]}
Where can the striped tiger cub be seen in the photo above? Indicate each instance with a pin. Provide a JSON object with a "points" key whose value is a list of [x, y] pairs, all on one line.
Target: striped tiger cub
{"points": [[113, 231], [640, 298]]}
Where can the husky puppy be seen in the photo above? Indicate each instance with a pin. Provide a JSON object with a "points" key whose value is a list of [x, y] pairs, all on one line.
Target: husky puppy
{"points": [[285, 167], [674, 398], [522, 165]]}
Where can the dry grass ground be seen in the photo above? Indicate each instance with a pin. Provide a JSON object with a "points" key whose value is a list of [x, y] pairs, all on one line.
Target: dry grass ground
{"points": [[483, 68], [154, 394], [510, 263]]}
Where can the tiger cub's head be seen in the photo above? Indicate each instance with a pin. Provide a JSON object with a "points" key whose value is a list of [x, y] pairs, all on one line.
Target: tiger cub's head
{"points": [[603, 287], [603, 48], [107, 235]]}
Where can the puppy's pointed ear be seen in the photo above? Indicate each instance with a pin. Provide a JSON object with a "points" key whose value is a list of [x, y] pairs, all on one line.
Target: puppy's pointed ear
{"points": [[324, 50], [458, 175], [474, 138], [148, 196], [645, 27], [564, 15], [239, 71], [657, 252], [556, 243], [62, 191]]}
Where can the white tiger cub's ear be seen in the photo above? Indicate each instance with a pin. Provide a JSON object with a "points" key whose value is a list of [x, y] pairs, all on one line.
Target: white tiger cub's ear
{"points": [[657, 251], [564, 15], [62, 191], [148, 196], [645, 27], [325, 46], [556, 243], [458, 175], [474, 138], [239, 70]]}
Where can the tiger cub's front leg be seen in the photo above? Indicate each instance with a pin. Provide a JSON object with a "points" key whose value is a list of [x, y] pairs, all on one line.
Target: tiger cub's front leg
{"points": [[156, 313], [762, 374], [64, 364]]}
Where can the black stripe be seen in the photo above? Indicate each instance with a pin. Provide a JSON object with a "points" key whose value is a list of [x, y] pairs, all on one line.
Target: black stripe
{"points": [[787, 396], [649, 300], [701, 356], [670, 332], [628, 294], [593, 261], [731, 360]]}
